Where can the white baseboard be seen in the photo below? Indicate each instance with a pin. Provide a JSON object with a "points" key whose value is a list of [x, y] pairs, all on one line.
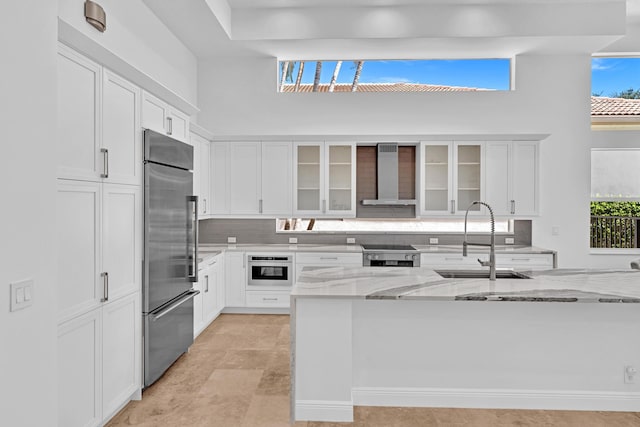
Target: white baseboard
{"points": [[324, 410], [256, 310], [497, 399]]}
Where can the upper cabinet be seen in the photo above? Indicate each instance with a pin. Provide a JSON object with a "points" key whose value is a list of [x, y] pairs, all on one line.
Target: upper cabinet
{"points": [[512, 177], [324, 177], [161, 117], [251, 178], [451, 176], [202, 174], [99, 134]]}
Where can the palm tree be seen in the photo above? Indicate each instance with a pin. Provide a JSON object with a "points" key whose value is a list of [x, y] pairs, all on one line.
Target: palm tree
{"points": [[316, 80], [287, 72], [336, 70], [299, 78], [356, 77]]}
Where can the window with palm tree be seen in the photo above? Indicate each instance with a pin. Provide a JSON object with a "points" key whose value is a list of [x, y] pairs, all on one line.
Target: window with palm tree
{"points": [[431, 75]]}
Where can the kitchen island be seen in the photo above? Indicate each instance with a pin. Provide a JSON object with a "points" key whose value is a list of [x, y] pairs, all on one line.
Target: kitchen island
{"points": [[563, 339]]}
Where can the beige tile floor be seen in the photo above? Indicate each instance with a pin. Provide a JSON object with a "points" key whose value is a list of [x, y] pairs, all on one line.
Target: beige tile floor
{"points": [[237, 374]]}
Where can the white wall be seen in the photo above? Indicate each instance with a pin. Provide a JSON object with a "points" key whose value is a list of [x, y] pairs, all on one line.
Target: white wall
{"points": [[137, 36], [28, 384], [238, 96]]}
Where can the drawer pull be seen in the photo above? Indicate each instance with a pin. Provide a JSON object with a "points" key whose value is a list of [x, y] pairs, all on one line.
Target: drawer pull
{"points": [[521, 259], [330, 258], [453, 259], [269, 299]]}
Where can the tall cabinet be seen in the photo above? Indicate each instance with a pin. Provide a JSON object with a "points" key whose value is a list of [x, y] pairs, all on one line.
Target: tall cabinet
{"points": [[99, 228], [324, 179]]}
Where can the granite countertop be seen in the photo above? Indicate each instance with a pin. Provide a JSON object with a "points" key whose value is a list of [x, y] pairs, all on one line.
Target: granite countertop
{"points": [[422, 283]]}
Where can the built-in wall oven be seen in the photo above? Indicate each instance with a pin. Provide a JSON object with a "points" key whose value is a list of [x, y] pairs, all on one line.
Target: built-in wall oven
{"points": [[270, 271]]}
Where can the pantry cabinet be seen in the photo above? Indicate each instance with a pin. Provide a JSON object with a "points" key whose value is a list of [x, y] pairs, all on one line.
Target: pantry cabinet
{"points": [[324, 179], [511, 180], [451, 176], [99, 362], [161, 117], [99, 134]]}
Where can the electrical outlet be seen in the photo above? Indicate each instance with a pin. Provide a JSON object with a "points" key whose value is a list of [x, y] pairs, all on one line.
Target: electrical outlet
{"points": [[433, 240], [351, 240], [293, 240], [509, 240], [555, 230], [231, 239], [630, 374]]}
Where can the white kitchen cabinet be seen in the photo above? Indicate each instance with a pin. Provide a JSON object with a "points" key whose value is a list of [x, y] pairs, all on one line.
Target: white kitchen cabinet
{"points": [[99, 134], [79, 373], [202, 174], [99, 244], [79, 105], [121, 136], [517, 261], [244, 177], [251, 178], [207, 304], [451, 176], [277, 176], [268, 299], [99, 366], [235, 265], [511, 181], [315, 260], [121, 349], [161, 117], [324, 179]]}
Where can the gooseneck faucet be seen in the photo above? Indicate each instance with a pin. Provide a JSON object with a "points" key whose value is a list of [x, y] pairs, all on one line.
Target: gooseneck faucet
{"points": [[492, 253]]}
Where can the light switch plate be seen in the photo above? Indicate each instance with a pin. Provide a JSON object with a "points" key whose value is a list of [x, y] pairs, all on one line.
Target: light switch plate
{"points": [[21, 295], [509, 240], [231, 239], [293, 240], [433, 240], [351, 240]]}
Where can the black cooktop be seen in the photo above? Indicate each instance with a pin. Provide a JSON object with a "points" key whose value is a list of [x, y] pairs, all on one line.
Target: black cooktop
{"points": [[388, 248]]}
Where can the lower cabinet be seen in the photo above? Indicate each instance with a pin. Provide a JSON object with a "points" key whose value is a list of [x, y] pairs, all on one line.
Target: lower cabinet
{"points": [[279, 299], [99, 362], [235, 279], [503, 260], [210, 301], [326, 260]]}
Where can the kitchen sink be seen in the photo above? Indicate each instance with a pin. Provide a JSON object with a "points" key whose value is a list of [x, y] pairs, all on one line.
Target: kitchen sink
{"points": [[481, 274]]}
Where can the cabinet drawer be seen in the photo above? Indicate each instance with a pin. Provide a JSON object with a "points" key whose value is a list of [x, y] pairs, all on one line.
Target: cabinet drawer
{"points": [[452, 260], [532, 261], [267, 299], [328, 258]]}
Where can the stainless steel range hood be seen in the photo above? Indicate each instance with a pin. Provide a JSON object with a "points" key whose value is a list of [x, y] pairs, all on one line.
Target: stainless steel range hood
{"points": [[388, 178]]}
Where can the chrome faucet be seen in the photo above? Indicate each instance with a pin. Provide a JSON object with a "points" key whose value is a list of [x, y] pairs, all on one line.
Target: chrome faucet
{"points": [[492, 253]]}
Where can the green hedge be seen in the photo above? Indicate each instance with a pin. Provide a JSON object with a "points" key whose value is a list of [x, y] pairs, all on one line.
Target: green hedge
{"points": [[623, 209]]}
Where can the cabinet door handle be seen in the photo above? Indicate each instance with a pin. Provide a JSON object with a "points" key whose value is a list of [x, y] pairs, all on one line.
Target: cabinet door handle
{"points": [[105, 287], [331, 258], [269, 299], [513, 207], [206, 283], [105, 163], [169, 126], [204, 205], [453, 259], [521, 259], [453, 206], [324, 205], [260, 205]]}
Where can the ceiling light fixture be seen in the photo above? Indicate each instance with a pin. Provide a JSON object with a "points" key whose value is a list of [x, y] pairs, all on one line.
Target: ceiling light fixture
{"points": [[95, 15]]}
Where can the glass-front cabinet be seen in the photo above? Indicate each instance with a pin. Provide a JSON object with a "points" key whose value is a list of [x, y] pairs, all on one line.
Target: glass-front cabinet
{"points": [[451, 177], [324, 179]]}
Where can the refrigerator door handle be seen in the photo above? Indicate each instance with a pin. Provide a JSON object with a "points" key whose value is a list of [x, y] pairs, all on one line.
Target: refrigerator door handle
{"points": [[192, 267], [188, 295]]}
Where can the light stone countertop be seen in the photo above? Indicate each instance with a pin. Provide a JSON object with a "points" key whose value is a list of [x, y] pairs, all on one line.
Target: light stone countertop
{"points": [[558, 285], [500, 249]]}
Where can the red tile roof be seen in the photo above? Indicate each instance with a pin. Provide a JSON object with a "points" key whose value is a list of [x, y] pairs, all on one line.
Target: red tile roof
{"points": [[600, 106]]}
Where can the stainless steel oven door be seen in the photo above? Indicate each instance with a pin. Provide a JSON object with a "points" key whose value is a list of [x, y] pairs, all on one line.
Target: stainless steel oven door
{"points": [[270, 271]]}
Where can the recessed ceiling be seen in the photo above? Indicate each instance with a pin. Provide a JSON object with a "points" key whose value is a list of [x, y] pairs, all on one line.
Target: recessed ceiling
{"points": [[393, 29]]}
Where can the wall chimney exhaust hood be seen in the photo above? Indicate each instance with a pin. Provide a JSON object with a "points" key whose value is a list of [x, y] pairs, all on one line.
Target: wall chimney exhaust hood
{"points": [[388, 178]]}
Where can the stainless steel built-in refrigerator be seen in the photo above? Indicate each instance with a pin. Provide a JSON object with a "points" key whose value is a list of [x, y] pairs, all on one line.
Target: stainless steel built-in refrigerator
{"points": [[170, 252]]}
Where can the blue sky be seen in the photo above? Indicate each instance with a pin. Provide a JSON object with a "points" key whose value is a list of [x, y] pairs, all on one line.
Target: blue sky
{"points": [[611, 75], [480, 73]]}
